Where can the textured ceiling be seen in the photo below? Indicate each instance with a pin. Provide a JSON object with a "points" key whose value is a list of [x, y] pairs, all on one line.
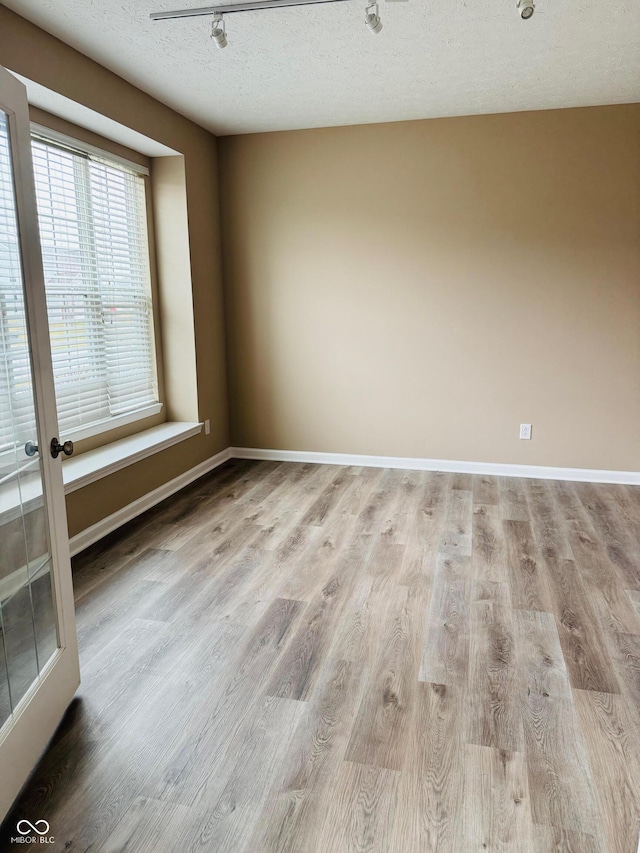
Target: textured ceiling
{"points": [[318, 65]]}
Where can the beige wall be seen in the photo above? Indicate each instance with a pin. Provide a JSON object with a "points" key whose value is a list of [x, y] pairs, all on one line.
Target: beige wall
{"points": [[33, 53], [422, 288]]}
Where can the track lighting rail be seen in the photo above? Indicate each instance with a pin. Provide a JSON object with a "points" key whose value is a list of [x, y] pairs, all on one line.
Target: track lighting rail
{"points": [[229, 8]]}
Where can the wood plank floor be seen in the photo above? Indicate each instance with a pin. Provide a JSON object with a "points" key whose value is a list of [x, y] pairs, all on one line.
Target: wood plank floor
{"points": [[292, 658]]}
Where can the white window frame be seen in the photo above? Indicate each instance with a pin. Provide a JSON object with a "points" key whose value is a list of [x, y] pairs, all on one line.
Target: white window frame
{"points": [[91, 430]]}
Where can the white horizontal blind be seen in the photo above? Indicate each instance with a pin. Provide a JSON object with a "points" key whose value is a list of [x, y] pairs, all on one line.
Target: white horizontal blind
{"points": [[17, 414], [95, 252]]}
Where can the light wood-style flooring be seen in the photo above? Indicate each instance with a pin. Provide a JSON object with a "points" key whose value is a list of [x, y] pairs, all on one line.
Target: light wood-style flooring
{"points": [[291, 658]]}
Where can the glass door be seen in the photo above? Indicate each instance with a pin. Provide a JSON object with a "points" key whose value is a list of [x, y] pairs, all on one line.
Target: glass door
{"points": [[39, 670]]}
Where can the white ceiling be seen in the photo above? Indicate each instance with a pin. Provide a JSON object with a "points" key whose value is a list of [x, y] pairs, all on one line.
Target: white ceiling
{"points": [[318, 66]]}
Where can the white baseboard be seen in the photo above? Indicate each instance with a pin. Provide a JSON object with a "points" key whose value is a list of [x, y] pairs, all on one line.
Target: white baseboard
{"points": [[112, 522], [107, 525], [495, 469]]}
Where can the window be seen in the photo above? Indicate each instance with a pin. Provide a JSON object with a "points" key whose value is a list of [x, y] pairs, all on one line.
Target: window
{"points": [[16, 393], [95, 253]]}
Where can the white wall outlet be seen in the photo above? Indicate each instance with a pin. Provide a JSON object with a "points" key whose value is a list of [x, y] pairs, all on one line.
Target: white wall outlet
{"points": [[207, 427], [525, 432]]}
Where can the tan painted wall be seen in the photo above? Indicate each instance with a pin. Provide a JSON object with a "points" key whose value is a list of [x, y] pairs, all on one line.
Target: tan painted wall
{"points": [[422, 288], [30, 51]]}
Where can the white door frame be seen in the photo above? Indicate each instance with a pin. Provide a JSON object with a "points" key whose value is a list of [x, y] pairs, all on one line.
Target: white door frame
{"points": [[27, 732]]}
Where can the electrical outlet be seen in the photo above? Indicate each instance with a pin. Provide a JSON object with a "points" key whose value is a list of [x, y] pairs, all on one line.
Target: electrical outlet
{"points": [[525, 432], [207, 427]]}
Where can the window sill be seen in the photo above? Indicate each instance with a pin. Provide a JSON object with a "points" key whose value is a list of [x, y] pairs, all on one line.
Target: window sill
{"points": [[95, 464], [77, 472], [83, 470]]}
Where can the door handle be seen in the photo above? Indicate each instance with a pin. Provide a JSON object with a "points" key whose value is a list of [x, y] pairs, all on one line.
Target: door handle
{"points": [[30, 448], [57, 448]]}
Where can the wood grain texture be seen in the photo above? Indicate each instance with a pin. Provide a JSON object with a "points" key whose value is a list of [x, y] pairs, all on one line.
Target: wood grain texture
{"points": [[617, 534], [585, 651], [512, 499], [604, 586], [497, 809], [432, 789], [492, 715], [615, 765], [527, 580], [456, 539], [291, 658], [359, 811], [445, 656], [562, 795], [228, 805], [299, 667], [488, 545], [586, 655], [552, 839], [293, 811], [147, 825], [381, 733], [485, 491]]}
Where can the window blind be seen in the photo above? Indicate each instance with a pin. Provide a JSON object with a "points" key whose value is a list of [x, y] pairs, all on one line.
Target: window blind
{"points": [[95, 253], [17, 416]]}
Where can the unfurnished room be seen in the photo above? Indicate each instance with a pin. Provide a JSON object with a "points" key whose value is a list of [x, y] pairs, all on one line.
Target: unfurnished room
{"points": [[320, 426]]}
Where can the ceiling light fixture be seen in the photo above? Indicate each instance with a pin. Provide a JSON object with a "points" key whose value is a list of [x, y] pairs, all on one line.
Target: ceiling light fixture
{"points": [[218, 32], [372, 18], [526, 8]]}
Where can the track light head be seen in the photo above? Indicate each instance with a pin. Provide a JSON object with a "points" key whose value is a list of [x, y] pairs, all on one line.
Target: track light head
{"points": [[218, 32], [526, 8], [372, 18]]}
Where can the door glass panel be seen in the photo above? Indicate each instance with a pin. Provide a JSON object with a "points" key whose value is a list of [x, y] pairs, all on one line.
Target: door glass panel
{"points": [[5, 697], [44, 619], [20, 643], [28, 630]]}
